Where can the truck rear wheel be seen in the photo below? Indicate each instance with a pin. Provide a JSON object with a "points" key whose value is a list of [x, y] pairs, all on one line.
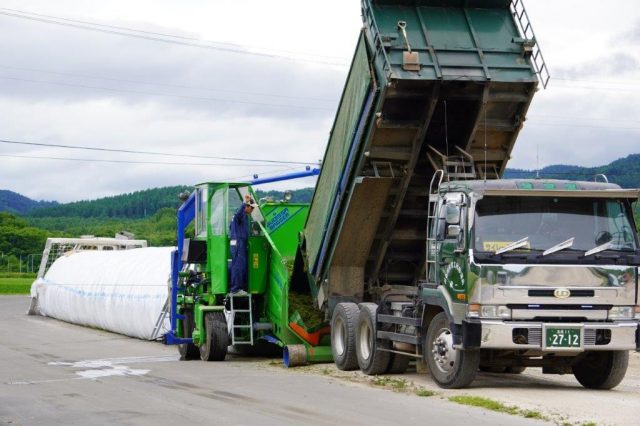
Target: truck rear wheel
{"points": [[601, 369], [188, 351], [450, 368], [217, 339], [343, 335], [370, 360]]}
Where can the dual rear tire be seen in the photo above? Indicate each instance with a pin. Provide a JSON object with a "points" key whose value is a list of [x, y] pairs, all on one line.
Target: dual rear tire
{"points": [[354, 343], [343, 336]]}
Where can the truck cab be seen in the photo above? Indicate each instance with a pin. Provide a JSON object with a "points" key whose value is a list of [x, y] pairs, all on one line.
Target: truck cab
{"points": [[532, 273]]}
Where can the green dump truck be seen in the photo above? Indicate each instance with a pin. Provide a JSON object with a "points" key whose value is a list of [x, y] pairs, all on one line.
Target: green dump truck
{"points": [[413, 246]]}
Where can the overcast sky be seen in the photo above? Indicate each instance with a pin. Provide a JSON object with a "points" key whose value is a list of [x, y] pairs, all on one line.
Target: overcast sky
{"points": [[61, 84]]}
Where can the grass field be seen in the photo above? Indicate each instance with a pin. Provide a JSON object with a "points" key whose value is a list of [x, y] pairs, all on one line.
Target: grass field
{"points": [[15, 285]]}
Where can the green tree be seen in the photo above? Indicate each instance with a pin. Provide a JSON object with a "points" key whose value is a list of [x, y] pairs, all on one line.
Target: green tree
{"points": [[18, 238]]}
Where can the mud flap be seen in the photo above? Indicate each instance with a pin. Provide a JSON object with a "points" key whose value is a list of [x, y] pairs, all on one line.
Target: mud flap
{"points": [[471, 334]]}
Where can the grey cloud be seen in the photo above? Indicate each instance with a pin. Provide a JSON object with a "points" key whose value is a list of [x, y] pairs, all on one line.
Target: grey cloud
{"points": [[632, 35], [616, 64], [222, 82], [577, 127]]}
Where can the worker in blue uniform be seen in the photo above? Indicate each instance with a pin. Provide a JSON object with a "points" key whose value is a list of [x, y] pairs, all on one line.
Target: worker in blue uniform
{"points": [[239, 232]]}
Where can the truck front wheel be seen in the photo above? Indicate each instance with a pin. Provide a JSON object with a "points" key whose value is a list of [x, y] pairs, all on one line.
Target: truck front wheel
{"points": [[601, 369], [450, 368], [370, 360], [343, 335]]}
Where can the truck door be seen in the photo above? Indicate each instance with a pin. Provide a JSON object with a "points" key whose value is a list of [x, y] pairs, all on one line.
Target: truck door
{"points": [[451, 241]]}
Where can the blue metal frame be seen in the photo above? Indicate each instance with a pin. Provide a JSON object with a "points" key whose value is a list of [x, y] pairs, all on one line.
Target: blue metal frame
{"points": [[318, 268], [186, 214], [294, 175]]}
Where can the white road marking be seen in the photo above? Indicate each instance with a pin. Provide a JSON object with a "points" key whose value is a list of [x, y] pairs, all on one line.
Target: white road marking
{"points": [[99, 368]]}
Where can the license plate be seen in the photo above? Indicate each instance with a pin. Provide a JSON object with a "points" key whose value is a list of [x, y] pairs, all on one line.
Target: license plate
{"points": [[562, 337]]}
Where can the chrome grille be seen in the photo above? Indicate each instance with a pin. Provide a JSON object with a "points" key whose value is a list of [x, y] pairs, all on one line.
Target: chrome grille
{"points": [[535, 336], [589, 337]]}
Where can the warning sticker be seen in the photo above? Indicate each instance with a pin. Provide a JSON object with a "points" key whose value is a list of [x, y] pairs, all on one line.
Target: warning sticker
{"points": [[497, 245]]}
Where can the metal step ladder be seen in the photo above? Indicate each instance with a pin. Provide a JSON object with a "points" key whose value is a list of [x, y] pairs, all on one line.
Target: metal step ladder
{"points": [[432, 263], [160, 321], [242, 319]]}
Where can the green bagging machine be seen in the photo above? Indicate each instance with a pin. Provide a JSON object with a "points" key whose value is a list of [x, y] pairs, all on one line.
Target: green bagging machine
{"points": [[274, 313]]}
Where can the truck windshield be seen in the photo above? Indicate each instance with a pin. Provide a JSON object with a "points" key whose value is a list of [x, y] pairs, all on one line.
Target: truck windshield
{"points": [[548, 221]]}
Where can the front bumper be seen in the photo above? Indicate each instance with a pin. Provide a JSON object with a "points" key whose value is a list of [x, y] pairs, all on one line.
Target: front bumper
{"points": [[497, 334]]}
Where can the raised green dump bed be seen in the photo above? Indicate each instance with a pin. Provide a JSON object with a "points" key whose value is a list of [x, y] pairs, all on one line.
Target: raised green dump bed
{"points": [[426, 74]]}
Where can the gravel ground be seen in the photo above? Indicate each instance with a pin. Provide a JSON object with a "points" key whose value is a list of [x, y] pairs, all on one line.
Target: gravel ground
{"points": [[40, 382], [559, 399]]}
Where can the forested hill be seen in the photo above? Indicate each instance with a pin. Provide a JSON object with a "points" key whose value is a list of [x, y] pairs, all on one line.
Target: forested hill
{"points": [[134, 205], [624, 172], [142, 204], [15, 203]]}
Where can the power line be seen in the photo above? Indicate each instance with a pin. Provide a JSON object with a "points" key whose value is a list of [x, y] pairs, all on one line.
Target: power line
{"points": [[202, 98], [564, 117], [590, 126], [608, 89], [234, 47], [142, 92], [166, 154], [164, 40], [625, 82], [179, 86], [165, 34], [94, 160]]}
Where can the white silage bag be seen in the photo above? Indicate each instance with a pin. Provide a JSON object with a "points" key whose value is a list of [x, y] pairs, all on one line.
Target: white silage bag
{"points": [[122, 291]]}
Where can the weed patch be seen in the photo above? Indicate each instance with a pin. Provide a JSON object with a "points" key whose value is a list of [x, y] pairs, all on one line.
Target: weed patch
{"points": [[424, 392], [490, 404]]}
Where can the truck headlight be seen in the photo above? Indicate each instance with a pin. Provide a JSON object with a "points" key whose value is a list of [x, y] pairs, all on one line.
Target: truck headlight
{"points": [[495, 311], [621, 313], [489, 311]]}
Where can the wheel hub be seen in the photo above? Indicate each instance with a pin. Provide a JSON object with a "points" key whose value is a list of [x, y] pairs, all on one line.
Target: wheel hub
{"points": [[365, 341], [443, 351], [339, 336]]}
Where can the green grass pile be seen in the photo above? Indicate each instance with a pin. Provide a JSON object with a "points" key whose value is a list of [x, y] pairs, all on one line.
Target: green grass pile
{"points": [[305, 306]]}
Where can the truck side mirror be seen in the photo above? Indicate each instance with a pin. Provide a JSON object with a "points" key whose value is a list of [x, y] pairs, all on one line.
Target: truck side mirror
{"points": [[452, 214]]}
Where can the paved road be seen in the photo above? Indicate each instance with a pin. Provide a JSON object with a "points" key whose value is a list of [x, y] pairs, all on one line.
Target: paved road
{"points": [[57, 373]]}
